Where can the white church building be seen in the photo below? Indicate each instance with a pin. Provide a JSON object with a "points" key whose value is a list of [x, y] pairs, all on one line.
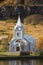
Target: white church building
{"points": [[20, 41]]}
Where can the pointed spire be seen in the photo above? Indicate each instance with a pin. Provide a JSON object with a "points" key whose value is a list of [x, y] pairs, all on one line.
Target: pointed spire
{"points": [[18, 22]]}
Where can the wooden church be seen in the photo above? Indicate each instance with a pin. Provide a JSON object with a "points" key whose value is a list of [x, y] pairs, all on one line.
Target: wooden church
{"points": [[21, 42]]}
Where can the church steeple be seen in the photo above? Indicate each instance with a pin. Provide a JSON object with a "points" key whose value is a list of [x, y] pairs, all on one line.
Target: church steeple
{"points": [[18, 29], [18, 23]]}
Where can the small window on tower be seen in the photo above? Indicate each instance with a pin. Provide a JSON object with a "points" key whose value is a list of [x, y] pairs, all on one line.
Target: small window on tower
{"points": [[17, 34]]}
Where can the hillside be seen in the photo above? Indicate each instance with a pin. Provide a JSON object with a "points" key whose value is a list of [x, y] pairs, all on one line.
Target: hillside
{"points": [[34, 19], [30, 27]]}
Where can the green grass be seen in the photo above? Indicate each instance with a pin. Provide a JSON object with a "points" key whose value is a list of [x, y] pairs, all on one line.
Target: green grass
{"points": [[34, 54], [14, 54], [9, 54]]}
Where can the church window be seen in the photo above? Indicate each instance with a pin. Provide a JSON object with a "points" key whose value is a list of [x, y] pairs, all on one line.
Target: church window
{"points": [[17, 34], [17, 48]]}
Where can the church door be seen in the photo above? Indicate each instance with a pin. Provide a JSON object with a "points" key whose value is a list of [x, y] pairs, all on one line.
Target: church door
{"points": [[17, 48]]}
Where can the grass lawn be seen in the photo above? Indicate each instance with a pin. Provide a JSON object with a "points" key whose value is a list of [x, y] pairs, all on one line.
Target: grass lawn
{"points": [[9, 54], [14, 54], [34, 54]]}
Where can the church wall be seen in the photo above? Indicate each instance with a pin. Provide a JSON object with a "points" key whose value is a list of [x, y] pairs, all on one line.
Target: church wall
{"points": [[20, 35], [33, 46], [12, 47], [26, 47]]}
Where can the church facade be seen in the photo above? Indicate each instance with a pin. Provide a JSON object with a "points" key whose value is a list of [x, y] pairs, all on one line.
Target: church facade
{"points": [[20, 41]]}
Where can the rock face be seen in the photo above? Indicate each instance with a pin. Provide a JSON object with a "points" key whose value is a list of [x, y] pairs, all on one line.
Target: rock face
{"points": [[7, 11], [11, 12]]}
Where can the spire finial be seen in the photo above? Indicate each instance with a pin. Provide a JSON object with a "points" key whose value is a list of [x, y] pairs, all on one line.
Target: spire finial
{"points": [[18, 14]]}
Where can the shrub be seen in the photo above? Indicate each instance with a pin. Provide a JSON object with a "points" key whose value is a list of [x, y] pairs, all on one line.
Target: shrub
{"points": [[24, 53]]}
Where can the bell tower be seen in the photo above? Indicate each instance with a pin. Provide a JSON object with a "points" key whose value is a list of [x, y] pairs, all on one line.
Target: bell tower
{"points": [[18, 29]]}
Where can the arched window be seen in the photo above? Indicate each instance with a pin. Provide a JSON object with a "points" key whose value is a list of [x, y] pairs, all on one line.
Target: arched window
{"points": [[17, 34]]}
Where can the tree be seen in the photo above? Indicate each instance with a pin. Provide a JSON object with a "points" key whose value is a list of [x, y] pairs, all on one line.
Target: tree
{"points": [[40, 44]]}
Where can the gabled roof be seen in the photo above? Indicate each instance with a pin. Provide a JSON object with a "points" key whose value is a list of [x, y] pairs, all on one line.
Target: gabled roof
{"points": [[27, 38], [19, 24], [31, 39]]}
